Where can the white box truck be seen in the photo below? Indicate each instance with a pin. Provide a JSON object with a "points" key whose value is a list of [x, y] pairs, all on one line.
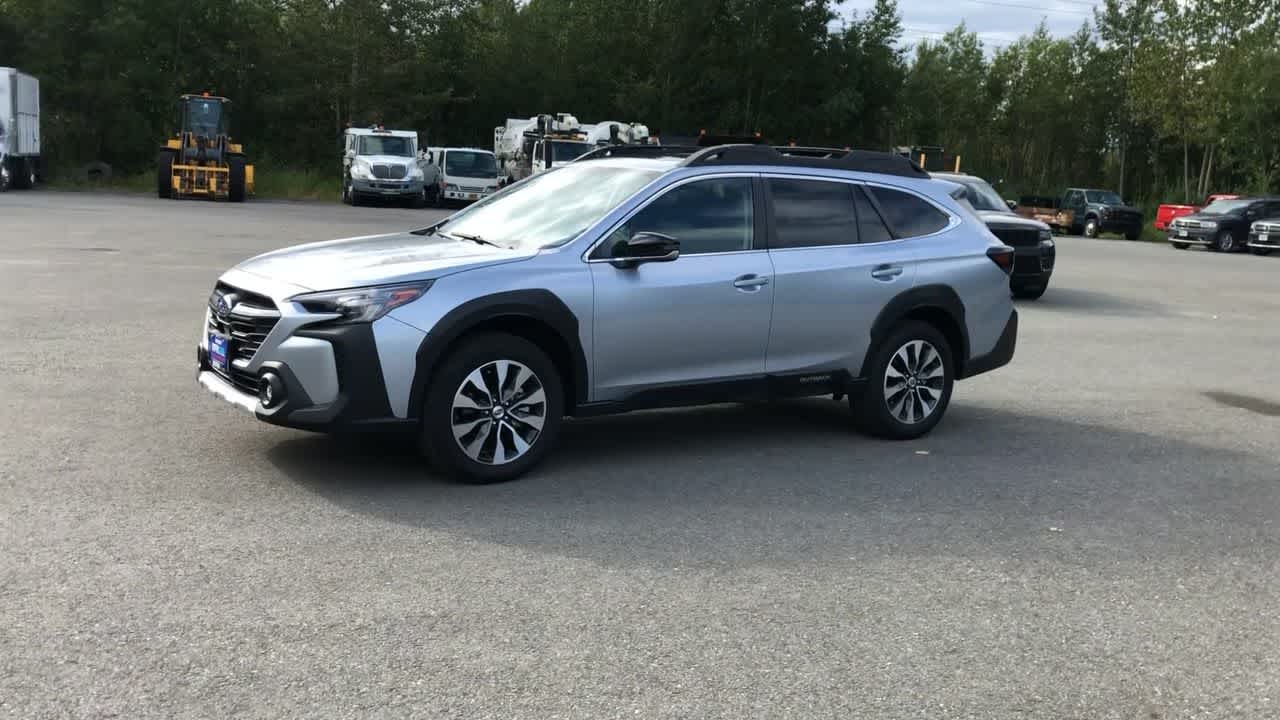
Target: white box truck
{"points": [[19, 129]]}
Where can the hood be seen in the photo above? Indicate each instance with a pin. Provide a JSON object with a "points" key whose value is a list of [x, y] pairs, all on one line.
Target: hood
{"points": [[387, 159], [1118, 208], [375, 260], [997, 219], [1211, 217]]}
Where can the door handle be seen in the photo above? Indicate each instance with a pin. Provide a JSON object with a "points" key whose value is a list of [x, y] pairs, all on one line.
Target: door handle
{"points": [[750, 282], [886, 272]]}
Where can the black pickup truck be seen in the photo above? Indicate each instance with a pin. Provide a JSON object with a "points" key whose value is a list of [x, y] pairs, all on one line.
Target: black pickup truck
{"points": [[1099, 211]]}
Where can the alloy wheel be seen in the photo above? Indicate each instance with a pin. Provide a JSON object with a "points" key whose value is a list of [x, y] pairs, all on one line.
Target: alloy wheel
{"points": [[914, 382], [498, 412]]}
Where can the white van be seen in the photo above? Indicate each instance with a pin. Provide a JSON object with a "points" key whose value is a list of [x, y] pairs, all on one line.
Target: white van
{"points": [[464, 174]]}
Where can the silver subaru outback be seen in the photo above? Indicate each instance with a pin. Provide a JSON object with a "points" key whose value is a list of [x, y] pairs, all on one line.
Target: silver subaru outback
{"points": [[635, 277]]}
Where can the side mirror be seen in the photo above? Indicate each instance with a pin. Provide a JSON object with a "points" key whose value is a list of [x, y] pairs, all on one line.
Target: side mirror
{"points": [[1013, 204], [645, 247], [351, 154]]}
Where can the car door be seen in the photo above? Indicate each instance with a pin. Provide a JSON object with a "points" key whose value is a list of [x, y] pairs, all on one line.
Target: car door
{"points": [[836, 265], [699, 319]]}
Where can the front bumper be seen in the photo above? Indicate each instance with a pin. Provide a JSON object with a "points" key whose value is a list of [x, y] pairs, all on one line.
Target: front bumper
{"points": [[324, 376], [1032, 266], [1265, 241], [466, 195], [387, 188], [1191, 236]]}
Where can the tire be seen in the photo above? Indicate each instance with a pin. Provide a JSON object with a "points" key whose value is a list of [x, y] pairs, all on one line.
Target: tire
{"points": [[1181, 246], [346, 191], [1133, 235], [164, 174], [1091, 228], [1225, 242], [872, 411], [4, 175], [236, 179], [455, 400], [1030, 293]]}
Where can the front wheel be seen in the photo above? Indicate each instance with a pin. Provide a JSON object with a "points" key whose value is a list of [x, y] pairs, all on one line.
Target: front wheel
{"points": [[1225, 242], [909, 384], [493, 409], [1091, 228], [237, 178]]}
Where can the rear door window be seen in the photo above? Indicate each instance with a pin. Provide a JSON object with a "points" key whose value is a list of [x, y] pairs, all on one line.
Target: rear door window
{"points": [[812, 213], [908, 215], [871, 227]]}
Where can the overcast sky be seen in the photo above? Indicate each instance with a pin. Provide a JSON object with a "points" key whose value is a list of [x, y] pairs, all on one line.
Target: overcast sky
{"points": [[997, 22]]}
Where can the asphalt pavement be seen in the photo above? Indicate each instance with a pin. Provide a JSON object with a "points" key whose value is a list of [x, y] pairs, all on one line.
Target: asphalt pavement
{"points": [[1092, 532]]}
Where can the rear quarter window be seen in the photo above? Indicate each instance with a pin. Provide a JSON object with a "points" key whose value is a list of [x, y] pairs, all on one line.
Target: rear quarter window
{"points": [[908, 215]]}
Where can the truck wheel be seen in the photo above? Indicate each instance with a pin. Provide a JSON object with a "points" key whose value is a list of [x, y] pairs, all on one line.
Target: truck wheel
{"points": [[235, 179], [1225, 242], [164, 174], [1091, 228]]}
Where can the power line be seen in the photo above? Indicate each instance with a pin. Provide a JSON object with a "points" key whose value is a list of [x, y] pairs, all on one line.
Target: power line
{"points": [[1076, 13]]}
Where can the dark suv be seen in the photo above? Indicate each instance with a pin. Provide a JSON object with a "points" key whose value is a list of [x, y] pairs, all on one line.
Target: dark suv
{"points": [[1222, 225], [1099, 211], [1031, 240]]}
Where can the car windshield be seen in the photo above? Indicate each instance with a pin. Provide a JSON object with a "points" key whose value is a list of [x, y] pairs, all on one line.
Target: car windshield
{"points": [[549, 209], [982, 196], [1106, 197], [386, 145], [1223, 207], [465, 163], [564, 151]]}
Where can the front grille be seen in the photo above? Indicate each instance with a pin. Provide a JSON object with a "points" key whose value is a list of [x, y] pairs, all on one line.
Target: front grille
{"points": [[392, 172], [465, 188], [245, 318], [1026, 265], [1017, 237]]}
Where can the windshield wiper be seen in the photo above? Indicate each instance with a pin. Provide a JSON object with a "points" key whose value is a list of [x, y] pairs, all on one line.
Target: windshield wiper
{"points": [[473, 238]]}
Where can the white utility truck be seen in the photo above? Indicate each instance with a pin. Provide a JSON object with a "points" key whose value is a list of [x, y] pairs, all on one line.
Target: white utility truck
{"points": [[528, 146], [19, 129]]}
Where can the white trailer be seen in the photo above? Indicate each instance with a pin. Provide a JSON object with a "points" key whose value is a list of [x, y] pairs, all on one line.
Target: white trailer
{"points": [[19, 129]]}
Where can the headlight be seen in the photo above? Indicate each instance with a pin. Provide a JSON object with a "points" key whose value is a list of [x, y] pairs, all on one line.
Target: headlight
{"points": [[360, 169], [1046, 238], [450, 186], [1208, 225], [415, 173], [358, 305]]}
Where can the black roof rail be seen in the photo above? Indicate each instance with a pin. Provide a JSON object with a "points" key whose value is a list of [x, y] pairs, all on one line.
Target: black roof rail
{"points": [[882, 163], [612, 151]]}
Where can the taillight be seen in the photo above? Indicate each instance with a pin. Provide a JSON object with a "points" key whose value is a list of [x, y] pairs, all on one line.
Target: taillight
{"points": [[1002, 256]]}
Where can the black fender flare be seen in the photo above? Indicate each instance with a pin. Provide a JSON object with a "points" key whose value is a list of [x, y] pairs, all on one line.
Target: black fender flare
{"points": [[542, 307], [931, 299]]}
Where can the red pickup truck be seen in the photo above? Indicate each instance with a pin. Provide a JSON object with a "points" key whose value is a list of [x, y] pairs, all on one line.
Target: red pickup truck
{"points": [[1165, 214]]}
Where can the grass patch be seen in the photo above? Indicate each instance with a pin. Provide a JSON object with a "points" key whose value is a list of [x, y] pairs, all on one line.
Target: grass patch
{"points": [[269, 183]]}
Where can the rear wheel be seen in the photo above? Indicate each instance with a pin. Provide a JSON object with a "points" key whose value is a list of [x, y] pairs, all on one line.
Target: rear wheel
{"points": [[493, 409], [164, 174], [1225, 242], [909, 384], [236, 179]]}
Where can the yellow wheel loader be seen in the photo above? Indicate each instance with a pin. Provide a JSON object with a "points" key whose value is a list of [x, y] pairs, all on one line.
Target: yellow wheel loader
{"points": [[201, 160]]}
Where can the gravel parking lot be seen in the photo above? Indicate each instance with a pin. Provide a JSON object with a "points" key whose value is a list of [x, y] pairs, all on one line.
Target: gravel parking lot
{"points": [[1092, 532]]}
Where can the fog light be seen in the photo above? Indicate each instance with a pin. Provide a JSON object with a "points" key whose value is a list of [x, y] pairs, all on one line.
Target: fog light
{"points": [[270, 390]]}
